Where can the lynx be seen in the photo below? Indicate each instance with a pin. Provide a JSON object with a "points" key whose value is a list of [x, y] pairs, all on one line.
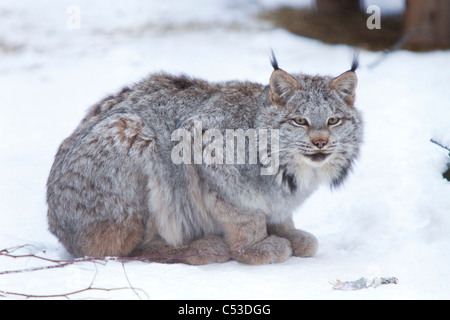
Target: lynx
{"points": [[115, 190]]}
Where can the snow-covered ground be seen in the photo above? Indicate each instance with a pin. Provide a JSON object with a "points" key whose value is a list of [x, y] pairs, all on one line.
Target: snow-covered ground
{"points": [[391, 218]]}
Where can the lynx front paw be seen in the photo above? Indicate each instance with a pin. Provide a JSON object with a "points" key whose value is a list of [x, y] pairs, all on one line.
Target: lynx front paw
{"points": [[303, 244], [270, 250]]}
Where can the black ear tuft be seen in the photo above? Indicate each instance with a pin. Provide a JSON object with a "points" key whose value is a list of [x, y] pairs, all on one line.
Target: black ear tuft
{"points": [[355, 62], [273, 60]]}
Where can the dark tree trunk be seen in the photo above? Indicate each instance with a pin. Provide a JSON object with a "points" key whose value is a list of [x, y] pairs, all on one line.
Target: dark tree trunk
{"points": [[336, 6], [427, 24]]}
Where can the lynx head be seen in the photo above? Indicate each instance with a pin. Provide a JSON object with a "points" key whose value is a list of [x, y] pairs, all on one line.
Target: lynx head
{"points": [[319, 127]]}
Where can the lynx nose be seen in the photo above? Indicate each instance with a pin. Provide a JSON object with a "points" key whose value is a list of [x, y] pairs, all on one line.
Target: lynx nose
{"points": [[320, 142]]}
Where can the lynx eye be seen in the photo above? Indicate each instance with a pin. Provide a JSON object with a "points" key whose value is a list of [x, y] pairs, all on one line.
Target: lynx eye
{"points": [[334, 121], [301, 121]]}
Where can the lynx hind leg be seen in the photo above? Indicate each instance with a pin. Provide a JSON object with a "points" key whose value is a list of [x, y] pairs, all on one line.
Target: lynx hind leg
{"points": [[303, 243], [207, 250], [97, 189], [110, 239]]}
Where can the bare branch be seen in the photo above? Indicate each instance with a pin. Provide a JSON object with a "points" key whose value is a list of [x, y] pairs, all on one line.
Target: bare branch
{"points": [[440, 145], [63, 295], [131, 286], [61, 264]]}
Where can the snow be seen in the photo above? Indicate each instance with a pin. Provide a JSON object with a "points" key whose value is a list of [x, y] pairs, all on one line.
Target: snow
{"points": [[390, 219]]}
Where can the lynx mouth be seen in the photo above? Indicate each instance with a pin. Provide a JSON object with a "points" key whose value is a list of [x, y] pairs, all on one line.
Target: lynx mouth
{"points": [[318, 157]]}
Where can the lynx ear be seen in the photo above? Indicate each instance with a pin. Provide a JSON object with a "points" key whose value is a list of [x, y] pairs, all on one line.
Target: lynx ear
{"points": [[282, 84], [345, 85]]}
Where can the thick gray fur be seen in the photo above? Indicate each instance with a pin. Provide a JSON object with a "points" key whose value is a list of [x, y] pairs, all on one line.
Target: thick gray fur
{"points": [[114, 190]]}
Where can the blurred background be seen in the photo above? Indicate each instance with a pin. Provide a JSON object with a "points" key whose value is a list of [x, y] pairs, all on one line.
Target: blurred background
{"points": [[406, 24], [410, 24]]}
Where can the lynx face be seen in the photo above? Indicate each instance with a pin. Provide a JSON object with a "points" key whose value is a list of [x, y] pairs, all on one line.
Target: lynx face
{"points": [[320, 126]]}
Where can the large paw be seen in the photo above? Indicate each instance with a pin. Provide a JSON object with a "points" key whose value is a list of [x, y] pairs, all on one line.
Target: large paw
{"points": [[211, 249], [270, 250], [303, 244]]}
